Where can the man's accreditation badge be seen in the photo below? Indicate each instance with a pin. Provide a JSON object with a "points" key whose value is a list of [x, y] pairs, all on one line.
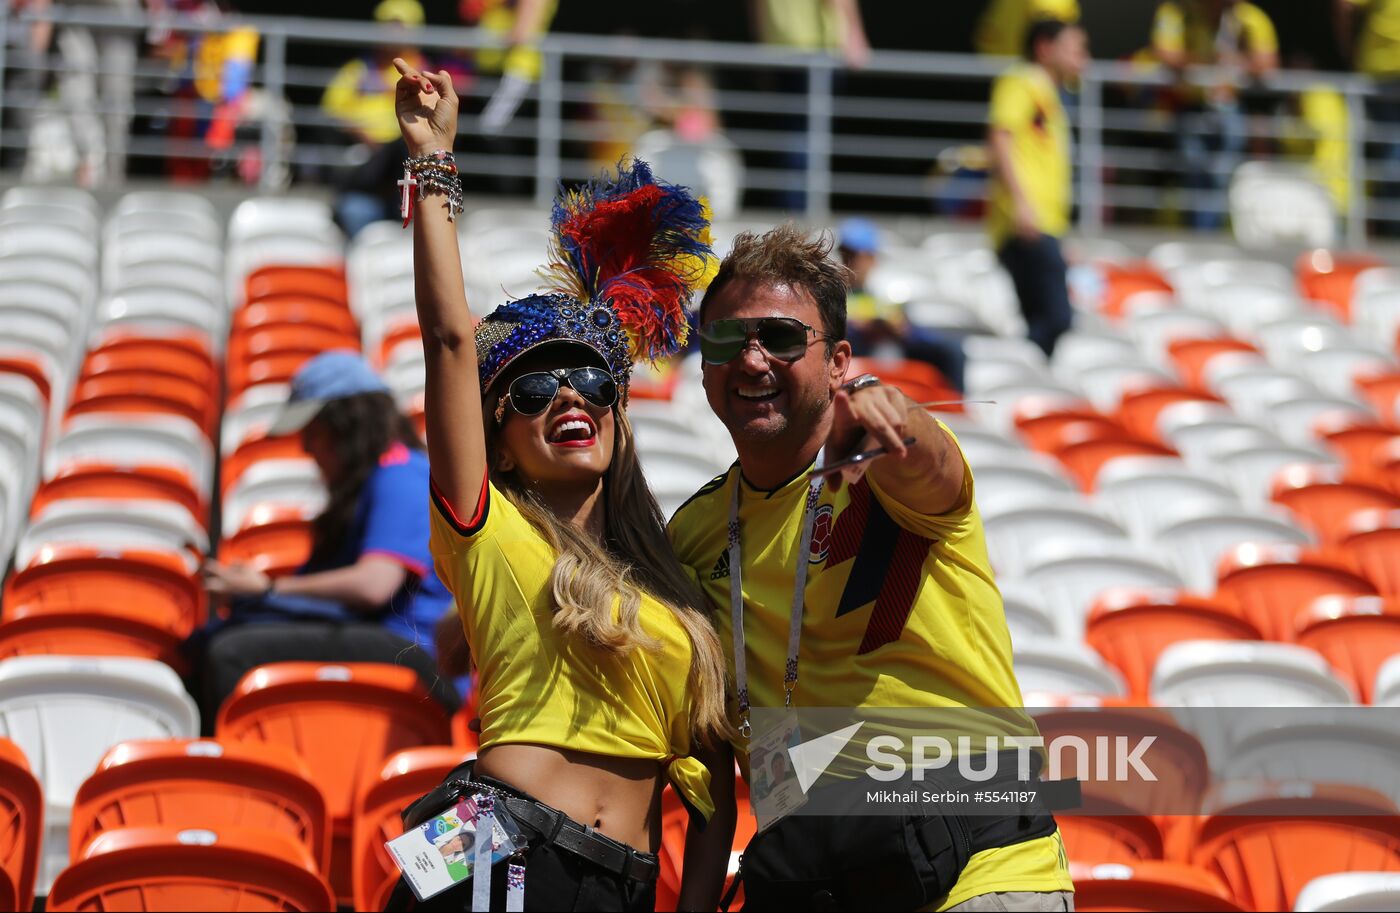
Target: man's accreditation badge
{"points": [[774, 790]]}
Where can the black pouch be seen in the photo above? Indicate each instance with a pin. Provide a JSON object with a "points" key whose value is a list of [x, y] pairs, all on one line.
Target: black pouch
{"points": [[447, 794], [854, 863]]}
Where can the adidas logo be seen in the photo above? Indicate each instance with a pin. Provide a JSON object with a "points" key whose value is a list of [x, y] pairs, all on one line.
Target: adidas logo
{"points": [[721, 569]]}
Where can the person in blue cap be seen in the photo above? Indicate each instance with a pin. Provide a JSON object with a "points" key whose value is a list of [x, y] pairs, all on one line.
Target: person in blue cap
{"points": [[876, 328], [368, 592]]}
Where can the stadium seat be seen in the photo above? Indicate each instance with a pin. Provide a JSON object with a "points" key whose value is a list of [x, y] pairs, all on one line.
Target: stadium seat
{"points": [[1296, 419], [1356, 440], [1027, 618], [1007, 400], [1386, 692], [1196, 543], [1148, 493], [1040, 420], [143, 393], [281, 483], [64, 713], [304, 281], [1077, 350], [187, 356], [1060, 667], [201, 783], [1071, 575], [21, 828], [1254, 391], [918, 380], [1190, 355], [1343, 892], [319, 709], [1103, 830], [1131, 627], [275, 539], [1085, 458], [1201, 429], [1380, 389], [1149, 887], [1271, 584], [1329, 276], [1221, 673], [1140, 407], [1155, 330], [1016, 523], [1250, 469], [1267, 848], [1356, 635], [1371, 545], [405, 777], [135, 441], [273, 354], [29, 631], [164, 869], [1336, 368], [1323, 498], [121, 483], [100, 522], [1351, 746], [255, 451]]}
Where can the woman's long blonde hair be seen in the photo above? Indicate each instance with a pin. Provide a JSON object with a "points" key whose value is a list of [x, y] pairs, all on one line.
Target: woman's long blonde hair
{"points": [[635, 556]]}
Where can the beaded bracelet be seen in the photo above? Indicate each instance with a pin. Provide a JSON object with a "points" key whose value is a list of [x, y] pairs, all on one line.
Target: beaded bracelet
{"points": [[435, 172]]}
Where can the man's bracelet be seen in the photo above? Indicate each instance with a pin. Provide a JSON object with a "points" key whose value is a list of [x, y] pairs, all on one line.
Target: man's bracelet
{"points": [[860, 383]]}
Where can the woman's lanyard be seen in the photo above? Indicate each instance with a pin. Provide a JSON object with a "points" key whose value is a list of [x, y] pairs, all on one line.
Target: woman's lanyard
{"points": [[736, 601]]}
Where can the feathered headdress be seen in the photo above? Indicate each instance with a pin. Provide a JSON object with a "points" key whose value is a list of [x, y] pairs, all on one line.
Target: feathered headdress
{"points": [[625, 255]]}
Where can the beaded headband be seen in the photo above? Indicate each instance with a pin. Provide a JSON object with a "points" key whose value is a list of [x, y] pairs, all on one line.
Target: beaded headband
{"points": [[625, 255]]}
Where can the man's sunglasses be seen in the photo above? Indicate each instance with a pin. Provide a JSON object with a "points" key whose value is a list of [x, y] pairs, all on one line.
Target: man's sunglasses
{"points": [[783, 338], [531, 394]]}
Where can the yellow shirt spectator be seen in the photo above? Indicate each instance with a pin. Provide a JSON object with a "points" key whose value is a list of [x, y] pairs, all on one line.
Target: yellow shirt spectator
{"points": [[1002, 28], [1026, 104], [362, 97], [1323, 140], [901, 610], [808, 24], [1378, 47], [1184, 26]]}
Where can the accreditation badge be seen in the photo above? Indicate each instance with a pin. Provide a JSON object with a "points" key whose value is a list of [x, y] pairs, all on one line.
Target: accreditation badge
{"points": [[774, 790]]}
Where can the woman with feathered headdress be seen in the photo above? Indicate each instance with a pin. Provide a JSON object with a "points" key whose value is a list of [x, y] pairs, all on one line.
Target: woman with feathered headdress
{"points": [[600, 677]]}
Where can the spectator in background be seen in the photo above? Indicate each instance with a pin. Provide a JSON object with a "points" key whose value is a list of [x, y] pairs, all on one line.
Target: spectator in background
{"points": [[1029, 206], [519, 24], [1373, 47], [1237, 37], [368, 593], [1320, 133], [876, 327], [360, 97], [1002, 29], [833, 26]]}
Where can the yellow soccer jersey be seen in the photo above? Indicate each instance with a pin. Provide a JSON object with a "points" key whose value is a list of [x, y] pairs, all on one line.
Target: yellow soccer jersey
{"points": [[1182, 25], [901, 611], [1002, 28], [537, 686], [1026, 104], [1378, 45]]}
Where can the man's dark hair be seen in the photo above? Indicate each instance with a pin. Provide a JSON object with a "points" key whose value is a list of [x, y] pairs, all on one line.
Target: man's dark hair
{"points": [[1044, 30], [787, 256]]}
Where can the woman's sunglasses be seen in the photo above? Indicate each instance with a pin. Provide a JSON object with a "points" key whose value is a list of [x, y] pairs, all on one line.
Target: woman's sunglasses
{"points": [[531, 394], [783, 338]]}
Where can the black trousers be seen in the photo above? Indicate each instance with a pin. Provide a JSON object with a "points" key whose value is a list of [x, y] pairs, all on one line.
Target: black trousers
{"points": [[233, 651], [555, 879], [1038, 271]]}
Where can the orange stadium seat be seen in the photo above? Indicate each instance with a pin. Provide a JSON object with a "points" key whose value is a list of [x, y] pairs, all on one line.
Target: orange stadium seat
{"points": [[1131, 627], [345, 720], [1381, 390], [278, 542], [1324, 499], [1084, 458], [1122, 281], [254, 450], [157, 588], [33, 366], [153, 356], [1103, 829], [1140, 407], [1328, 276], [324, 282], [164, 869], [1190, 356], [21, 828], [1270, 584], [1265, 848], [919, 380], [1356, 440], [145, 392], [1372, 546], [1149, 887], [407, 332], [405, 777], [27, 631], [1355, 634], [100, 480], [1039, 421], [201, 783], [293, 310], [273, 354]]}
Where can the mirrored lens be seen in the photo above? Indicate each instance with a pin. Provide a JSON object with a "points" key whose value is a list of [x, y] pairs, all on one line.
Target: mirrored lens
{"points": [[531, 394], [595, 385], [782, 337], [721, 340]]}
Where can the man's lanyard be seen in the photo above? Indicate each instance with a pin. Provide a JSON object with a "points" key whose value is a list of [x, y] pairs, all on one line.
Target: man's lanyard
{"points": [[736, 600]]}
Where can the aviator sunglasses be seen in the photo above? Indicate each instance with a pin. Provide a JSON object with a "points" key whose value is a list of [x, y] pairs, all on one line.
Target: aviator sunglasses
{"points": [[531, 394], [783, 338]]}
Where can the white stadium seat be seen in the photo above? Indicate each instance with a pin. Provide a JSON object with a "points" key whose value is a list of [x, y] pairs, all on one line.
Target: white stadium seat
{"points": [[1195, 544], [1146, 493], [1350, 892], [1017, 523], [1071, 575], [101, 522], [285, 483], [1057, 667]]}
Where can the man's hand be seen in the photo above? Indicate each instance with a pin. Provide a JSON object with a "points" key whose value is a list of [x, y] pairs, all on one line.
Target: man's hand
{"points": [[1024, 221], [875, 416]]}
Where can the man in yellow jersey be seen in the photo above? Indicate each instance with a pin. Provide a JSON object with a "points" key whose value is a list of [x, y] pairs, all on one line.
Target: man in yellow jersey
{"points": [[1374, 49], [896, 603], [1004, 25], [1238, 37], [1029, 206]]}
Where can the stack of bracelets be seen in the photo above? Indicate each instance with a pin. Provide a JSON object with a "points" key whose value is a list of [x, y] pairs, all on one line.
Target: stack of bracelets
{"points": [[435, 172]]}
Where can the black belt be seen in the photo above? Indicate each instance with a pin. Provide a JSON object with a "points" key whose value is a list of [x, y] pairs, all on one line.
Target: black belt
{"points": [[553, 826]]}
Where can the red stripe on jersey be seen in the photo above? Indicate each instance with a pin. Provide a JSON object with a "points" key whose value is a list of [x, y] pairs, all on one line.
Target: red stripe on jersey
{"points": [[850, 526], [896, 599]]}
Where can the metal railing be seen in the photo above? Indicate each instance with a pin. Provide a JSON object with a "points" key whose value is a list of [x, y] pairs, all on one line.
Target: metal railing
{"points": [[813, 135]]}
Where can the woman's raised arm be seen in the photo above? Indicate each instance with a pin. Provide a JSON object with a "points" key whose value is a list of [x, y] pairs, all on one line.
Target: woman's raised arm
{"points": [[427, 108]]}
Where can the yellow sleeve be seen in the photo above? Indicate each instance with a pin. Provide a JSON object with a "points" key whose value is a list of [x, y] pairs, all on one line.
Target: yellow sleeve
{"points": [[947, 525], [1013, 106], [1169, 29], [342, 96], [996, 29], [1260, 36], [1063, 10]]}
